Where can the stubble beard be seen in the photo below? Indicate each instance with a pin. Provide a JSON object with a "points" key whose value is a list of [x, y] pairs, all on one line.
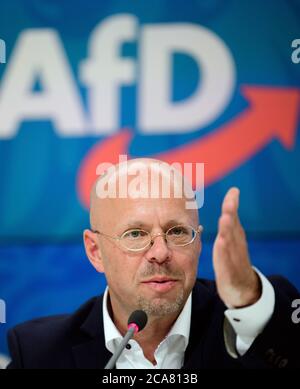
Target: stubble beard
{"points": [[161, 307]]}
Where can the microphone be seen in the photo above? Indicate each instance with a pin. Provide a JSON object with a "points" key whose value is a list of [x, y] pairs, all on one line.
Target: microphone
{"points": [[136, 322]]}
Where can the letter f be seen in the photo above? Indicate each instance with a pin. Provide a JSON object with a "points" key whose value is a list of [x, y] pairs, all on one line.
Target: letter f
{"points": [[105, 71]]}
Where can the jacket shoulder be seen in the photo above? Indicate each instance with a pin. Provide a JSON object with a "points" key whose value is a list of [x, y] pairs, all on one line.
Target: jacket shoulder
{"points": [[50, 336]]}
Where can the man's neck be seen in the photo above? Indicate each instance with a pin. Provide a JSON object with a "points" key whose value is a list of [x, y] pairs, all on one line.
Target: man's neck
{"points": [[153, 334]]}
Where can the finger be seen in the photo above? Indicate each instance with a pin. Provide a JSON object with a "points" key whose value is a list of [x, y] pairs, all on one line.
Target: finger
{"points": [[226, 233], [230, 227], [231, 201], [221, 259], [226, 225], [221, 250], [230, 207], [231, 231]]}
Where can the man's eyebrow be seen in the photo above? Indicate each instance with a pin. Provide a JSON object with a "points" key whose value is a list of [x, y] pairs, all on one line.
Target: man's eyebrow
{"points": [[141, 224], [135, 224], [173, 222]]}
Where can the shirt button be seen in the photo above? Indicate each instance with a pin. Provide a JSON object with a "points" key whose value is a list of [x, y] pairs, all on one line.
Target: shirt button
{"points": [[128, 346]]}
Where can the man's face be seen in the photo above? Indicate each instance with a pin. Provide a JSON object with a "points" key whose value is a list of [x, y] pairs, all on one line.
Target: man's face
{"points": [[158, 279]]}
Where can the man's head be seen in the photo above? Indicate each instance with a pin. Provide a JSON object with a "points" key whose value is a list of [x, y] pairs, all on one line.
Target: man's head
{"points": [[159, 278]]}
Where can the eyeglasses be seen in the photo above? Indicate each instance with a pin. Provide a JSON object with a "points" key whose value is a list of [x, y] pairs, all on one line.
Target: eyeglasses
{"points": [[137, 239]]}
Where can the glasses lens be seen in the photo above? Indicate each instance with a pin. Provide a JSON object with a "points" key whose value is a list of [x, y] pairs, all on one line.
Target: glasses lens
{"points": [[135, 239], [181, 235]]}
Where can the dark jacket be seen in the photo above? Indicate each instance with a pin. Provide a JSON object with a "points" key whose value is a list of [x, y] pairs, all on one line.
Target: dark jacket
{"points": [[77, 340]]}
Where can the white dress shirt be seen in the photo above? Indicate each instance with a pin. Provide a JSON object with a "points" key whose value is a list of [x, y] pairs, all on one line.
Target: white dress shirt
{"points": [[247, 323]]}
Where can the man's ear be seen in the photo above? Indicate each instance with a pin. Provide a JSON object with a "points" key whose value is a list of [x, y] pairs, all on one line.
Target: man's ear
{"points": [[92, 250]]}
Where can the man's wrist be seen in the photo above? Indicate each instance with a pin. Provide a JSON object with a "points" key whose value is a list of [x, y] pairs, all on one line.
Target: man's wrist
{"points": [[251, 295]]}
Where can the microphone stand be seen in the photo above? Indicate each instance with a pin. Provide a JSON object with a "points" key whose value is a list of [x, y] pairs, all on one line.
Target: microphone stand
{"points": [[129, 334]]}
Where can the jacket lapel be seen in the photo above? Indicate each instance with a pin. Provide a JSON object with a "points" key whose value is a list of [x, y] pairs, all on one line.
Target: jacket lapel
{"points": [[202, 307], [91, 352]]}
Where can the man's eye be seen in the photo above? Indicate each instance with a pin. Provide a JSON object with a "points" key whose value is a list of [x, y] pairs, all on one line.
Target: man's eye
{"points": [[134, 234], [177, 231]]}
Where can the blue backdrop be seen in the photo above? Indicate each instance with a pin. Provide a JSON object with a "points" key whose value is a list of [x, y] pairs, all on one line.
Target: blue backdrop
{"points": [[215, 81]]}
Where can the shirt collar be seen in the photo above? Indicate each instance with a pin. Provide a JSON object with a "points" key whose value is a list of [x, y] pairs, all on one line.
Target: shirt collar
{"points": [[181, 327]]}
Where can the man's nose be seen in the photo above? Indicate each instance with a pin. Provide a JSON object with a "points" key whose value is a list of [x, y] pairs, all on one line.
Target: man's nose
{"points": [[159, 250]]}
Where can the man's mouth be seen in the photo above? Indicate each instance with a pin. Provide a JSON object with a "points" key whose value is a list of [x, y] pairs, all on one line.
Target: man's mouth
{"points": [[160, 284]]}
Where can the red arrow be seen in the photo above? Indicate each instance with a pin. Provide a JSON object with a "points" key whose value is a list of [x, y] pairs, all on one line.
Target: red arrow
{"points": [[273, 113], [106, 151]]}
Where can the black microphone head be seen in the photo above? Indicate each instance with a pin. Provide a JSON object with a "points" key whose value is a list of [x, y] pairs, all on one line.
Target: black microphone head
{"points": [[139, 319]]}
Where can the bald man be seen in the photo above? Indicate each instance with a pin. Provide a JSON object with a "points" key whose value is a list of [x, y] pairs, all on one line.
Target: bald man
{"points": [[146, 238]]}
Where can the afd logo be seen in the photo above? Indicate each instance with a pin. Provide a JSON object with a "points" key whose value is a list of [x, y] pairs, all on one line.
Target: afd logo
{"points": [[2, 312], [39, 55], [2, 51]]}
